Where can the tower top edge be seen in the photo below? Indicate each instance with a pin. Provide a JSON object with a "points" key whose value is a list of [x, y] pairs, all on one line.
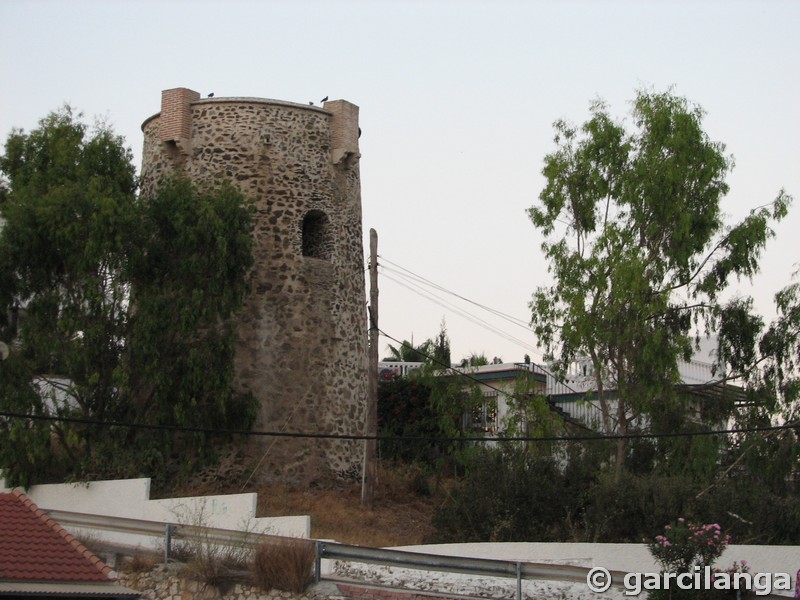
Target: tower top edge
{"points": [[248, 100]]}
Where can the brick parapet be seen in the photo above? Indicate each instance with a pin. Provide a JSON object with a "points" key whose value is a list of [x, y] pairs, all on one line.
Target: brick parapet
{"points": [[176, 114]]}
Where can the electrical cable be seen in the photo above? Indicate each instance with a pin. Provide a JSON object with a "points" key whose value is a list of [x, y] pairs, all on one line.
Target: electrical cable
{"points": [[420, 278], [412, 277], [595, 436], [360, 437], [468, 316], [468, 376]]}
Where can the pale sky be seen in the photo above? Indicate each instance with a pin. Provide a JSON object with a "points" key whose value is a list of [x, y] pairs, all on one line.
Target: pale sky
{"points": [[457, 101]]}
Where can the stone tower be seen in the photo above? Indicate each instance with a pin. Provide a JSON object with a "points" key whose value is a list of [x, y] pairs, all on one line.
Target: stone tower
{"points": [[301, 347]]}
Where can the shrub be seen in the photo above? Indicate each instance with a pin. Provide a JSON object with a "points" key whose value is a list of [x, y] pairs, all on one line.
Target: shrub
{"points": [[627, 509], [508, 495], [685, 545], [216, 565], [287, 565], [207, 560], [405, 410]]}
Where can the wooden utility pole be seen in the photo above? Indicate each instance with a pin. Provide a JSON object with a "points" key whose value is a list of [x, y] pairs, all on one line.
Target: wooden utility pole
{"points": [[371, 445]]}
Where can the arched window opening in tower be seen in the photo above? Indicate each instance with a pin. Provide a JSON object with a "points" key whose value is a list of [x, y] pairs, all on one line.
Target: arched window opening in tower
{"points": [[316, 235]]}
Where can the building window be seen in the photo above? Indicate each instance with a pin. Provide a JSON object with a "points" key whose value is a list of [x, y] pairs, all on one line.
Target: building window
{"points": [[484, 416], [316, 235]]}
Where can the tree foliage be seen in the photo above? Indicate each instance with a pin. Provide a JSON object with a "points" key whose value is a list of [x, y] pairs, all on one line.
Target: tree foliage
{"points": [[508, 494], [766, 358], [63, 247], [495, 500], [434, 352], [405, 411], [186, 288], [118, 309], [638, 249]]}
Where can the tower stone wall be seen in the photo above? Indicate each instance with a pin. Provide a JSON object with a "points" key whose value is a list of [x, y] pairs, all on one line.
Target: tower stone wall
{"points": [[301, 340]]}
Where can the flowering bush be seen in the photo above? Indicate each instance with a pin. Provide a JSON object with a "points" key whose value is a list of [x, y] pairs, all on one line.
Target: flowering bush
{"points": [[738, 567], [685, 545]]}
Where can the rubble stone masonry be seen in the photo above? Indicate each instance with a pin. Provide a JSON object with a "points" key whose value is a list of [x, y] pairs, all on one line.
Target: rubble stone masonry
{"points": [[302, 340]]}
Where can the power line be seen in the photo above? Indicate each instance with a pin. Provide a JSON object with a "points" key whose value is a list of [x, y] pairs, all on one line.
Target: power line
{"points": [[359, 437], [481, 323], [468, 316], [448, 368], [418, 281], [507, 317], [414, 284], [478, 321]]}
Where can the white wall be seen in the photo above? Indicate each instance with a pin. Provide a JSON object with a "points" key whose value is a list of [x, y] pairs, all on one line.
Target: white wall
{"points": [[615, 557], [130, 498], [619, 557]]}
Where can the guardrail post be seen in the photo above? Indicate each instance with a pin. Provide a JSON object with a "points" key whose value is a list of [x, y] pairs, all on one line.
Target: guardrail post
{"points": [[519, 580], [167, 541], [318, 562]]}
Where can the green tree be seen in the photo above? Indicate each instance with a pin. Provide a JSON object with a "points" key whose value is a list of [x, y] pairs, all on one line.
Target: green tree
{"points": [[502, 498], [124, 307], [530, 414], [441, 347], [766, 357], [638, 249], [434, 352], [474, 360], [68, 211], [187, 284], [408, 352]]}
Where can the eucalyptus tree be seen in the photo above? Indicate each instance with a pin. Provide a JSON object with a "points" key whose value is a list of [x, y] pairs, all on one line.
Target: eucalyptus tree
{"points": [[116, 308], [188, 283], [68, 210], [638, 250]]}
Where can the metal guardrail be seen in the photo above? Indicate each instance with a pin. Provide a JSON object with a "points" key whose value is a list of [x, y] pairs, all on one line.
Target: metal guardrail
{"points": [[518, 570], [169, 531]]}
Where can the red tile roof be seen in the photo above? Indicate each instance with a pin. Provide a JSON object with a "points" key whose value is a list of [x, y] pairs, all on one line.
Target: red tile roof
{"points": [[33, 547]]}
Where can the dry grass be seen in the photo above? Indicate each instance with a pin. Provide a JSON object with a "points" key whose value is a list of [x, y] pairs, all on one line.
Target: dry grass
{"points": [[287, 565], [139, 564], [400, 516]]}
